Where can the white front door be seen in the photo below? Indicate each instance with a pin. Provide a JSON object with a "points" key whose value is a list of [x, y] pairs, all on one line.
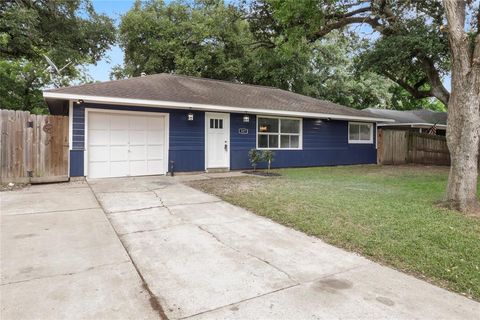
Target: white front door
{"points": [[122, 145], [217, 140]]}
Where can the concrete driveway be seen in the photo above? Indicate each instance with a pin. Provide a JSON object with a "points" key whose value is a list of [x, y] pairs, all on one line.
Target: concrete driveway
{"points": [[175, 252], [203, 258], [61, 259]]}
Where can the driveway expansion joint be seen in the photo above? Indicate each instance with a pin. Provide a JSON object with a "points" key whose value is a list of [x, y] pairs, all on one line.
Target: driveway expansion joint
{"points": [[67, 273], [241, 301], [249, 254]]}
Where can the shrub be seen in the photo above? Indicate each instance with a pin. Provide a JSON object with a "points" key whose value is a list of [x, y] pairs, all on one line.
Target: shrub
{"points": [[268, 156], [254, 156]]}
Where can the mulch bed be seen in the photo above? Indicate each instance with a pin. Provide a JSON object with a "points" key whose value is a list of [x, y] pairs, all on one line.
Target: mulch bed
{"points": [[262, 173]]}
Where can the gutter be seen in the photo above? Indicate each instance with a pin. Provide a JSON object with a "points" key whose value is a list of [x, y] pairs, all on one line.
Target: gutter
{"points": [[414, 125], [204, 107]]}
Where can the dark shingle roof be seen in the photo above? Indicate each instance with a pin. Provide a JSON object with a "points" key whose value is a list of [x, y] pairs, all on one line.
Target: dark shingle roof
{"points": [[186, 89], [411, 116]]}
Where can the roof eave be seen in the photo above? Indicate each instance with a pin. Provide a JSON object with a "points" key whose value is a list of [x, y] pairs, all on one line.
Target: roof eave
{"points": [[415, 125], [203, 107]]}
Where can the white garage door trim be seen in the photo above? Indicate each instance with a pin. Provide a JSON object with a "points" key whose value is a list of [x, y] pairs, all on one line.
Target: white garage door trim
{"points": [[122, 112]]}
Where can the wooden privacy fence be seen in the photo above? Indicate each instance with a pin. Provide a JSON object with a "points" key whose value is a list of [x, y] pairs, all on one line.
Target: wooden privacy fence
{"points": [[33, 148], [402, 146]]}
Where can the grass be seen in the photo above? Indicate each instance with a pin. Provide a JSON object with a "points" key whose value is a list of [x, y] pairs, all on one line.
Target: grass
{"points": [[385, 213]]}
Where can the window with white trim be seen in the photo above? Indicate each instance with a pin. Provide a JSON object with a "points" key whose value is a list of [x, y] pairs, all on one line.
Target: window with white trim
{"points": [[279, 133], [359, 132]]}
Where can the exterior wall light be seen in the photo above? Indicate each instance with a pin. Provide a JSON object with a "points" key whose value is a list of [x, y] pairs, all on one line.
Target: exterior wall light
{"points": [[246, 118], [190, 116], [80, 101]]}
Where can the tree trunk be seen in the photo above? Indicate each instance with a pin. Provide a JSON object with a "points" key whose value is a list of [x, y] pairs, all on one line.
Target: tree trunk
{"points": [[463, 143], [463, 125]]}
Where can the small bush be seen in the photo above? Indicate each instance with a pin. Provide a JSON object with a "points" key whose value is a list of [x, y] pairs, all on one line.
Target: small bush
{"points": [[268, 156], [254, 156]]}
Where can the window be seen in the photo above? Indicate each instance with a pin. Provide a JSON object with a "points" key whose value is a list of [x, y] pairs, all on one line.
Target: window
{"points": [[216, 123], [278, 133], [360, 132]]}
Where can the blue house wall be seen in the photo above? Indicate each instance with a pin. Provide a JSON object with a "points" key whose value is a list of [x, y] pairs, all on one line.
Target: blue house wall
{"points": [[186, 142], [324, 142]]}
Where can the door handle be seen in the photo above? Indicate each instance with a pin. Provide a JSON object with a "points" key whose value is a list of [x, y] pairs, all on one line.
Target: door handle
{"points": [[226, 146]]}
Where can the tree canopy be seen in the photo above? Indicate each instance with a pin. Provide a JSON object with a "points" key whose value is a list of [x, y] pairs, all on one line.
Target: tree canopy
{"points": [[254, 44], [407, 44], [63, 30]]}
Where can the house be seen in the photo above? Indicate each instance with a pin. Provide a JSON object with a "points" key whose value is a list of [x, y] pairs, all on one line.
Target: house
{"points": [[413, 120], [158, 123]]}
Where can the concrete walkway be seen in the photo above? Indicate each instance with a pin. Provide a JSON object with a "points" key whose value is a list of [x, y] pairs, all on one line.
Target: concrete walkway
{"points": [[61, 259], [203, 258]]}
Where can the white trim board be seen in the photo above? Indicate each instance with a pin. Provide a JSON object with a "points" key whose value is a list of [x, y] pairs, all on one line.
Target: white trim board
{"points": [[138, 113], [204, 107]]}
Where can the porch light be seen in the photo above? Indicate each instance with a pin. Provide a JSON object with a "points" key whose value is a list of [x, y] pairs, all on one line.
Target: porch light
{"points": [[79, 101], [246, 118], [190, 116]]}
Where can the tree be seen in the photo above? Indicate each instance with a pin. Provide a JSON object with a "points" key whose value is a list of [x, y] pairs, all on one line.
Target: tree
{"points": [[408, 48], [199, 38], [222, 41], [464, 104], [414, 49], [63, 30]]}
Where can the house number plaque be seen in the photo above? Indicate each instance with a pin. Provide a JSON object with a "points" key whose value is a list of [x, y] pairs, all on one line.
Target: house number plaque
{"points": [[242, 131]]}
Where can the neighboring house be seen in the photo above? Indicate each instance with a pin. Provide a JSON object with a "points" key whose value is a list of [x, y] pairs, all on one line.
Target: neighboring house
{"points": [[415, 120], [147, 125]]}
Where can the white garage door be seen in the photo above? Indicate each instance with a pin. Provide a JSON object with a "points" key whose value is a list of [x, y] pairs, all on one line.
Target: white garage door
{"points": [[122, 145]]}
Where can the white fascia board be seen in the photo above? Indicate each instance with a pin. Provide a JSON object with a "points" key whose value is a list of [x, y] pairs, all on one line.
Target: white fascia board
{"points": [[203, 107], [413, 125]]}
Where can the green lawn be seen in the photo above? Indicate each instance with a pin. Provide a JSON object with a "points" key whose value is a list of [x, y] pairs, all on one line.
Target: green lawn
{"points": [[385, 213]]}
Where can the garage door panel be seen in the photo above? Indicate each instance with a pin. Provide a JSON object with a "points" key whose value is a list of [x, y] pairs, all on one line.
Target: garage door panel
{"points": [[138, 168], [138, 123], [119, 122], [138, 138], [138, 153], [119, 137], [125, 145], [99, 153], [119, 169], [118, 153], [155, 152], [98, 137], [98, 169], [154, 166], [99, 121], [155, 137], [156, 124]]}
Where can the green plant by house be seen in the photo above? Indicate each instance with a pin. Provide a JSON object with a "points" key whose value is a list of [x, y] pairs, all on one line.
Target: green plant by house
{"points": [[268, 156], [254, 156]]}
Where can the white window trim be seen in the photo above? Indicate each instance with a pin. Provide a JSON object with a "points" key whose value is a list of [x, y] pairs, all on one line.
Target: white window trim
{"points": [[370, 141], [300, 134]]}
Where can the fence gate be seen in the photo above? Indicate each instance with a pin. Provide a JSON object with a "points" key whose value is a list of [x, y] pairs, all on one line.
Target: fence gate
{"points": [[33, 148]]}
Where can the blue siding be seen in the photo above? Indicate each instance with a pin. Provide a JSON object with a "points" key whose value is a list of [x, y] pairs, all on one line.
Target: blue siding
{"points": [[76, 163], [325, 143], [186, 143]]}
